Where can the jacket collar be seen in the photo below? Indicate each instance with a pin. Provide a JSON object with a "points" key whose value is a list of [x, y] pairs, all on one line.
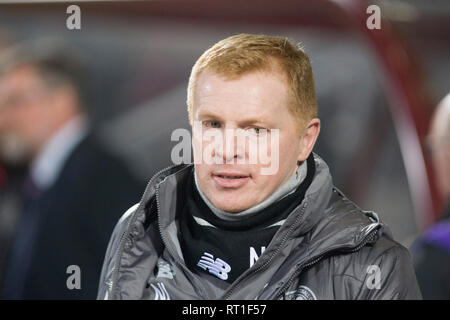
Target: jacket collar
{"points": [[170, 184], [340, 229]]}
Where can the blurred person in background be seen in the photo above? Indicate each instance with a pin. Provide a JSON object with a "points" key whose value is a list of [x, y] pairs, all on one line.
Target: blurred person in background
{"points": [[431, 251], [10, 174], [74, 189]]}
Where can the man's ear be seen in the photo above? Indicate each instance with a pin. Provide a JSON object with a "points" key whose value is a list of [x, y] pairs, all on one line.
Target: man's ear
{"points": [[308, 140]]}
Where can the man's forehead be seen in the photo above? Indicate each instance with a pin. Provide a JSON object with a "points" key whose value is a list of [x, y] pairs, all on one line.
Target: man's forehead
{"points": [[234, 108], [17, 81], [20, 75], [247, 115], [252, 89]]}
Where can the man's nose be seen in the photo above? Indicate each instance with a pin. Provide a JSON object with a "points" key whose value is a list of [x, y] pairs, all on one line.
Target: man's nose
{"points": [[232, 146]]}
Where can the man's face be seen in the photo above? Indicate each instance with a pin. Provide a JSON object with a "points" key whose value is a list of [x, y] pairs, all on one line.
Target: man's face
{"points": [[23, 101], [441, 163], [255, 101]]}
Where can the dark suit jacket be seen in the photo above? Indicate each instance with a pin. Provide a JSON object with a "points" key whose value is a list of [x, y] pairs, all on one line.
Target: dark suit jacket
{"points": [[431, 253], [78, 214]]}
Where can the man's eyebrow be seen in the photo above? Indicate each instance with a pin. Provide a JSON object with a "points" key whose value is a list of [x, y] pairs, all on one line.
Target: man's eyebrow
{"points": [[244, 122], [250, 121], [208, 114]]}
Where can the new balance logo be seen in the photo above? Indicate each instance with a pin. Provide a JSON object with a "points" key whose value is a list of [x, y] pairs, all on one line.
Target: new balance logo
{"points": [[217, 267], [160, 291]]}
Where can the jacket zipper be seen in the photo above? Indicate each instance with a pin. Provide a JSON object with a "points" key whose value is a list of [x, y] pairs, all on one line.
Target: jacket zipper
{"points": [[312, 262], [111, 284], [239, 280]]}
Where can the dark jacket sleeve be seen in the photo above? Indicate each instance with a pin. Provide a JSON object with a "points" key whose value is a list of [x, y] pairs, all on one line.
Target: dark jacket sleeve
{"points": [[113, 246], [395, 280]]}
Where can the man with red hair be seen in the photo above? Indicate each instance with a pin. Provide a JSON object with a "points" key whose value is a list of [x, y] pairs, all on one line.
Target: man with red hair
{"points": [[232, 227]]}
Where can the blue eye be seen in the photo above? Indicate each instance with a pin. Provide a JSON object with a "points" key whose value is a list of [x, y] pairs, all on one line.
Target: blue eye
{"points": [[212, 124], [258, 131]]}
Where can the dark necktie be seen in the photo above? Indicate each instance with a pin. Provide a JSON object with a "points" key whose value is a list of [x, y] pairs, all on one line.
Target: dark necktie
{"points": [[22, 247]]}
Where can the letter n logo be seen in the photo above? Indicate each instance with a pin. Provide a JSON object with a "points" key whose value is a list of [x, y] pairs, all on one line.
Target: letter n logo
{"points": [[254, 256]]}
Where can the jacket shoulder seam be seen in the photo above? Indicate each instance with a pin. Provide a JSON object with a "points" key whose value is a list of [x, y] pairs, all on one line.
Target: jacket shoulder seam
{"points": [[128, 213]]}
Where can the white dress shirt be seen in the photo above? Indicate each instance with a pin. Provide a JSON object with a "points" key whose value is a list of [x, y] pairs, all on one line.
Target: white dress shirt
{"points": [[48, 164]]}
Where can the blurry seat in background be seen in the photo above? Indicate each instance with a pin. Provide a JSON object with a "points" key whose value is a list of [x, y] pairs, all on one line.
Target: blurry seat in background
{"points": [[431, 251], [75, 189]]}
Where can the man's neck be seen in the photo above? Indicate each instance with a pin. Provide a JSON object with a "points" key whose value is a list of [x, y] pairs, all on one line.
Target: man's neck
{"points": [[285, 189]]}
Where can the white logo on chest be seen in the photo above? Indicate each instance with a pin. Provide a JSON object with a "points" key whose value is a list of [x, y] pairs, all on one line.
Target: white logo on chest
{"points": [[217, 267], [254, 256], [302, 293]]}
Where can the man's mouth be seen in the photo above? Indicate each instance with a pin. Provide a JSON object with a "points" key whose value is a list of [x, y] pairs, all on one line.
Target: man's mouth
{"points": [[230, 180], [231, 177]]}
